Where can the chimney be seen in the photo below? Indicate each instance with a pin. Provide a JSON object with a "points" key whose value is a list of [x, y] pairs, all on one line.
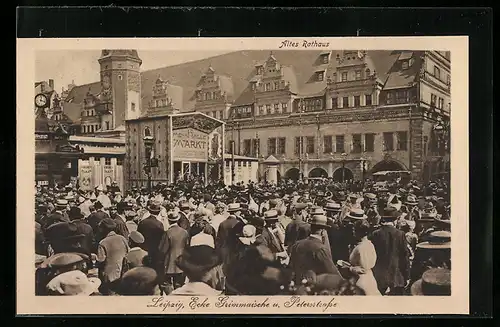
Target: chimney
{"points": [[51, 83]]}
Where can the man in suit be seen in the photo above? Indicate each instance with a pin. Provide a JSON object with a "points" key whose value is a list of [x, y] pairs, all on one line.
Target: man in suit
{"points": [[273, 235], [152, 230], [392, 270], [59, 215], [136, 257], [96, 217], [310, 254], [171, 246], [110, 255], [226, 240], [186, 219], [120, 219], [88, 241], [298, 229]]}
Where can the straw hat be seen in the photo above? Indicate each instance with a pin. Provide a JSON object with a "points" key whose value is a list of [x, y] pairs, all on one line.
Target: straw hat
{"points": [[437, 240], [73, 282], [435, 281], [358, 214]]}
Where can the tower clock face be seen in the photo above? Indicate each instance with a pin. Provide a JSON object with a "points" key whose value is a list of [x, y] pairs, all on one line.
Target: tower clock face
{"points": [[41, 100]]}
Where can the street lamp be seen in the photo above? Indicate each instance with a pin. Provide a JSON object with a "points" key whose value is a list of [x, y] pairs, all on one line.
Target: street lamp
{"points": [[149, 142], [344, 155]]}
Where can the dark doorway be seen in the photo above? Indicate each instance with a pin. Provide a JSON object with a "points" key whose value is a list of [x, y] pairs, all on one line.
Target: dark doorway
{"points": [[318, 172], [342, 174], [293, 174], [388, 165]]}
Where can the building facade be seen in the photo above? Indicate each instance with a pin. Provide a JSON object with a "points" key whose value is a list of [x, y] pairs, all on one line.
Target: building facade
{"points": [[339, 114]]}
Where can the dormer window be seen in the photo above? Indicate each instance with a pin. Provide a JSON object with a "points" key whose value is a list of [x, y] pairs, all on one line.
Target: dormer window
{"points": [[325, 59], [320, 76], [253, 86], [260, 70], [405, 64]]}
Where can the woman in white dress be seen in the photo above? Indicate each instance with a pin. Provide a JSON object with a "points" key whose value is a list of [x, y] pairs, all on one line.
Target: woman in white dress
{"points": [[363, 258]]}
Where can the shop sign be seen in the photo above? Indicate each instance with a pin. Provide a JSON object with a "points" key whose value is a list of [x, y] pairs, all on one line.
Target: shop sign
{"points": [[190, 143]]}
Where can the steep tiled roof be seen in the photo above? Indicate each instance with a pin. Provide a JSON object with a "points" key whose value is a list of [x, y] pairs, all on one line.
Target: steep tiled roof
{"points": [[239, 68], [397, 77], [78, 93], [72, 110]]}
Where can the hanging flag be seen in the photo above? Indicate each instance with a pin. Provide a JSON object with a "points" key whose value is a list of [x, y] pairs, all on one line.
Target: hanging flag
{"points": [[252, 205]]}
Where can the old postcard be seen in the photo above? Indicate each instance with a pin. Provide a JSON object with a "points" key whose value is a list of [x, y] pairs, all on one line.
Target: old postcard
{"points": [[243, 176]]}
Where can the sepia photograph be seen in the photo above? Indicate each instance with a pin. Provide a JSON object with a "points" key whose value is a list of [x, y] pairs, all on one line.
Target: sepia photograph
{"points": [[303, 171]]}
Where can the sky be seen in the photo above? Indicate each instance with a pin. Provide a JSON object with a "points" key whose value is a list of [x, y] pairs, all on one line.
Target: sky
{"points": [[66, 66]]}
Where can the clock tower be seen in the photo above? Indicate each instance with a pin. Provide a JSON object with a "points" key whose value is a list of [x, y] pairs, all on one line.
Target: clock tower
{"points": [[120, 87]]}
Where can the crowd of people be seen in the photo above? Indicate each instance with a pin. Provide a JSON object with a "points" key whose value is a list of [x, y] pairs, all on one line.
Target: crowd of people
{"points": [[312, 237]]}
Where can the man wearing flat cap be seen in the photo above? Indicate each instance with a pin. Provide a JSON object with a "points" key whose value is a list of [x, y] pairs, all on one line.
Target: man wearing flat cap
{"points": [[111, 251], [299, 228], [171, 246]]}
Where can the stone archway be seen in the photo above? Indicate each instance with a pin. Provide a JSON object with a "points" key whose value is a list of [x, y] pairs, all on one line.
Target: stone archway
{"points": [[388, 165], [342, 174], [293, 174], [318, 172]]}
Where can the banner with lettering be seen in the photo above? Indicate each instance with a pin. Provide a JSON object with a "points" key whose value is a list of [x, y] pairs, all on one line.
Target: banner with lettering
{"points": [[108, 174], [189, 144], [85, 178]]}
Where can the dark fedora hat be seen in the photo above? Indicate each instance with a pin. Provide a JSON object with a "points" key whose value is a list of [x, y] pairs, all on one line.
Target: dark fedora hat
{"points": [[75, 213], [197, 259], [108, 223], [62, 231], [154, 208], [390, 214], [435, 281]]}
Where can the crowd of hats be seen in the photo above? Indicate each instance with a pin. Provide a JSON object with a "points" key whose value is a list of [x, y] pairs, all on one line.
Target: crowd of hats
{"points": [[321, 199]]}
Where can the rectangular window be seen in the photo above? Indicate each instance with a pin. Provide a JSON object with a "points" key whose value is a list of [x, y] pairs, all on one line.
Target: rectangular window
{"points": [[369, 142], [334, 103], [357, 101], [401, 97], [388, 141], [448, 79], [368, 99], [267, 87], [107, 125], [389, 98], [268, 109], [358, 74], [437, 72], [276, 108], [402, 141], [281, 145], [319, 76], [119, 161], [261, 110], [327, 144], [426, 139], [247, 147], [344, 77], [433, 100], [339, 144], [356, 143], [132, 106], [345, 102], [271, 146], [441, 103], [325, 59], [310, 144], [284, 107], [107, 161], [298, 145], [404, 64]]}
